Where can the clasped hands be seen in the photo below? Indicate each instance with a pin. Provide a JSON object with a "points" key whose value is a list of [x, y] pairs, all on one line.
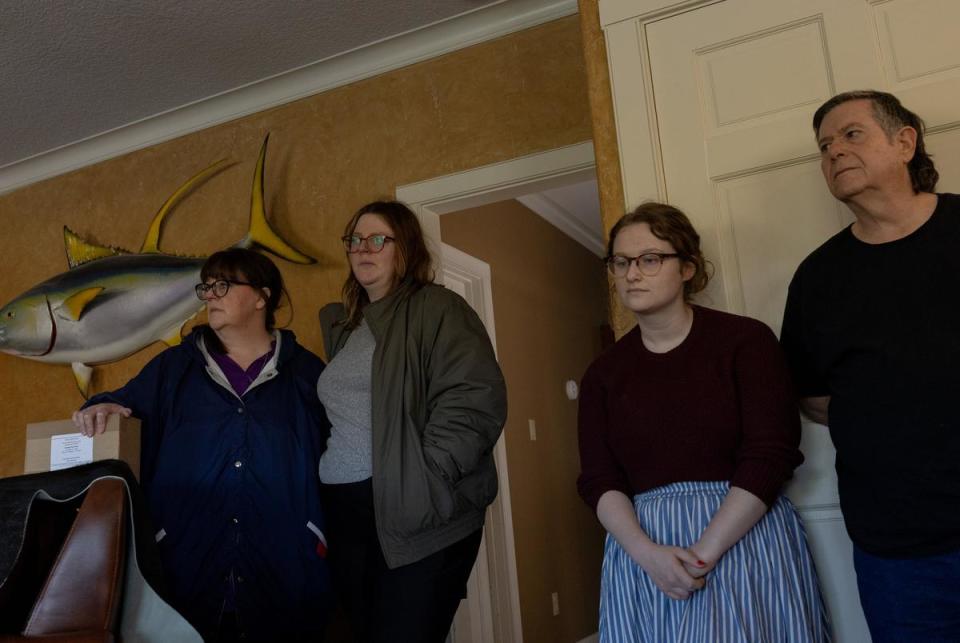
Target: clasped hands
{"points": [[678, 572]]}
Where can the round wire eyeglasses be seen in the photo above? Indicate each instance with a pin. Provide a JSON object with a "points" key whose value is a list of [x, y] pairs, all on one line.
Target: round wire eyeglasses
{"points": [[649, 263]]}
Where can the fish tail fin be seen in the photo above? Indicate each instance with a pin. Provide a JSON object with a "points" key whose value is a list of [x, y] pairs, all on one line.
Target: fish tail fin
{"points": [[260, 232], [151, 242]]}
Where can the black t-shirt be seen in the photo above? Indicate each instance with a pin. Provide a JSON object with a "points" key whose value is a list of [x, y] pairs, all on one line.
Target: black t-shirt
{"points": [[874, 326]]}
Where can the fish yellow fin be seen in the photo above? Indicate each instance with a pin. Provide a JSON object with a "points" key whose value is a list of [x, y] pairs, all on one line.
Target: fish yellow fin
{"points": [[151, 244], [82, 374], [174, 337], [80, 251], [260, 232], [73, 306]]}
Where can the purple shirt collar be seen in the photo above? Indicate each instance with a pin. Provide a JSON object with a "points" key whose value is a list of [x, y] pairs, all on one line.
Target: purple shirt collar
{"points": [[239, 378]]}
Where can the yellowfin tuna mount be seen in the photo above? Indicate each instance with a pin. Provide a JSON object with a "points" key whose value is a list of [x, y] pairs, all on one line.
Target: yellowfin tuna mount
{"points": [[111, 303]]}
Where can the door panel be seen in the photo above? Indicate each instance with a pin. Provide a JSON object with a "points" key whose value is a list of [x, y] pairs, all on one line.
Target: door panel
{"points": [[767, 223], [944, 146], [902, 25], [735, 85]]}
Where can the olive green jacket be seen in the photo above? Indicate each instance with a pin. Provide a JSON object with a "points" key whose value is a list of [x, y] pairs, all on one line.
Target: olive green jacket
{"points": [[439, 403]]}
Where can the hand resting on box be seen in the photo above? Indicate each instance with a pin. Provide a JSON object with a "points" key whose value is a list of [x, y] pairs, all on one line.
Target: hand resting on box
{"points": [[92, 420]]}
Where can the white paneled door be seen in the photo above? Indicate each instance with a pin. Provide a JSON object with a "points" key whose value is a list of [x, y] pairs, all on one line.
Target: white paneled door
{"points": [[714, 104]]}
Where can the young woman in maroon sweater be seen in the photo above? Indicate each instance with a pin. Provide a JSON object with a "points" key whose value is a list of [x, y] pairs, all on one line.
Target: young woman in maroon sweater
{"points": [[688, 430]]}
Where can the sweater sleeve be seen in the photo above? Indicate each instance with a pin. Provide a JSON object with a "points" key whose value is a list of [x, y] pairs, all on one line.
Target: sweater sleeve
{"points": [[769, 418], [599, 470]]}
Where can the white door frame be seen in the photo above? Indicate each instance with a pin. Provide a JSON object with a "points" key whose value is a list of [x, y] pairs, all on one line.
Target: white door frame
{"points": [[472, 188], [640, 160], [470, 277]]}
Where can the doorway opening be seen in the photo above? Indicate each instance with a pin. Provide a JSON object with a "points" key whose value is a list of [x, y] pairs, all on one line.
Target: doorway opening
{"points": [[524, 237]]}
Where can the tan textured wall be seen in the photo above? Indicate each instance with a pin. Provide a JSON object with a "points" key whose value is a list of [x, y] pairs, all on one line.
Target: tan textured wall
{"points": [[601, 109], [606, 150], [549, 298], [329, 154]]}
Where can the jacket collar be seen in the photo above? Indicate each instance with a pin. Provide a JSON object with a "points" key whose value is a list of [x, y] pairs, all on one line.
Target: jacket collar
{"points": [[268, 372], [285, 339], [378, 316], [379, 313]]}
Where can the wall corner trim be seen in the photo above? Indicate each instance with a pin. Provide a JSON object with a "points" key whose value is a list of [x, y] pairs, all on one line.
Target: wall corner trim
{"points": [[405, 49]]}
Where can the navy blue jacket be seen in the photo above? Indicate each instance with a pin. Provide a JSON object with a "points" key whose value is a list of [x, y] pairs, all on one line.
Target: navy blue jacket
{"points": [[233, 489]]}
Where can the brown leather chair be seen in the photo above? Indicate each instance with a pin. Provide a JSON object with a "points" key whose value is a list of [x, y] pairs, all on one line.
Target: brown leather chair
{"points": [[67, 582]]}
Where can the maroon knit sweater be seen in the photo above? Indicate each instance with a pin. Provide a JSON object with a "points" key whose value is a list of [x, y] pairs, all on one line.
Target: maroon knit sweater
{"points": [[720, 406]]}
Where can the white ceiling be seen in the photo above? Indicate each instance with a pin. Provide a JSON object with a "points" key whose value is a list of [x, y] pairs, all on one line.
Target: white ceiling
{"points": [[84, 80], [72, 69]]}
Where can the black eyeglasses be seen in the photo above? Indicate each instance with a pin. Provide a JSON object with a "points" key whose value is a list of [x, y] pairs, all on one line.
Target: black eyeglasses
{"points": [[375, 242], [218, 288], [649, 263]]}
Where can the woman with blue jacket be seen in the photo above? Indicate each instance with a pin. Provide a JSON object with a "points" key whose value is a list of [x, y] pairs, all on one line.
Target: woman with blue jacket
{"points": [[232, 433]]}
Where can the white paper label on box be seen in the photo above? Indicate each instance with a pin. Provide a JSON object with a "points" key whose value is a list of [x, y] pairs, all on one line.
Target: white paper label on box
{"points": [[70, 450]]}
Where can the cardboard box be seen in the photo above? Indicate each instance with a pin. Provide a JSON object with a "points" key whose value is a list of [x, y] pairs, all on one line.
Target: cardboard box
{"points": [[58, 445]]}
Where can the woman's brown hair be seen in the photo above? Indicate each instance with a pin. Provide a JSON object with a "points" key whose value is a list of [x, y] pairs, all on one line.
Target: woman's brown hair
{"points": [[413, 262], [669, 224]]}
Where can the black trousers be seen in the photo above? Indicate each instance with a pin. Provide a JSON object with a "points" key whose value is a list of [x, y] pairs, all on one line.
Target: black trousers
{"points": [[414, 603]]}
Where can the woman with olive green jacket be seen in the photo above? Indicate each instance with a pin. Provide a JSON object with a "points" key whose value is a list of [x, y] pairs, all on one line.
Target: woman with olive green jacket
{"points": [[417, 402]]}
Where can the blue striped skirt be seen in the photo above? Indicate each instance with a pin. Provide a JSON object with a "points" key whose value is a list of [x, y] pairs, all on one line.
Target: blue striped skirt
{"points": [[764, 589]]}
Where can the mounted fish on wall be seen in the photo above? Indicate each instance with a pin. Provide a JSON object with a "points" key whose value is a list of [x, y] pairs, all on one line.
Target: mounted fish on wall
{"points": [[112, 303]]}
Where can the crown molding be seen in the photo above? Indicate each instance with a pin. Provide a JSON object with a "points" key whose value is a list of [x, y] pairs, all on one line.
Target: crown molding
{"points": [[465, 30]]}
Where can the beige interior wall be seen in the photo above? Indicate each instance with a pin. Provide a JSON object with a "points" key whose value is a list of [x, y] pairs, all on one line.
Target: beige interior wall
{"points": [[549, 300], [329, 154]]}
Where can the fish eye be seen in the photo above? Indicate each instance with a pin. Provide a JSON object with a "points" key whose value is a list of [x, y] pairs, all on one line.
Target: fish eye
{"points": [[10, 314]]}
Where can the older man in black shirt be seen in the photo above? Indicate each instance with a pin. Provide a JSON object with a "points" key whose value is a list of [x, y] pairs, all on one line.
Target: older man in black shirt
{"points": [[870, 333]]}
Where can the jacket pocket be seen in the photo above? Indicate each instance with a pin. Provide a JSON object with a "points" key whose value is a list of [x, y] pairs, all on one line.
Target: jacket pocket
{"points": [[441, 494], [478, 489]]}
